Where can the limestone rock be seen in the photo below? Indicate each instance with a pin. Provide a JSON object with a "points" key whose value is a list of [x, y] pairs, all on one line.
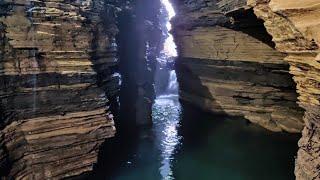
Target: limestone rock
{"points": [[295, 28], [228, 64], [57, 62]]}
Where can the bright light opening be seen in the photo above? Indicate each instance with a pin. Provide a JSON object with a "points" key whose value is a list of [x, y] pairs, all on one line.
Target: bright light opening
{"points": [[170, 48]]}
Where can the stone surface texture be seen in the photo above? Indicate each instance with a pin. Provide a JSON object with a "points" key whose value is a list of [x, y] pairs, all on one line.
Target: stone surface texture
{"points": [[139, 44], [295, 28], [57, 60], [228, 64], [222, 36]]}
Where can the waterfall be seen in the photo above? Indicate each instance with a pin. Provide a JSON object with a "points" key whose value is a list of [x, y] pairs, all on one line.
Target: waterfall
{"points": [[169, 52], [173, 87]]}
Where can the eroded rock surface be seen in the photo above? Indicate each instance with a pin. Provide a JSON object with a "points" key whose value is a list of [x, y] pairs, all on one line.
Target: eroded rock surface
{"points": [[295, 28], [228, 64], [56, 79]]}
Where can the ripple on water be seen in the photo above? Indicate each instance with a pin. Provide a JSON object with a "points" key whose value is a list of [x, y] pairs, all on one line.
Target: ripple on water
{"points": [[166, 116]]}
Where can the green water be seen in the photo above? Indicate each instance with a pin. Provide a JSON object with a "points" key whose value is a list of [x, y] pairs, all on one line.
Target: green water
{"points": [[228, 148], [186, 143]]}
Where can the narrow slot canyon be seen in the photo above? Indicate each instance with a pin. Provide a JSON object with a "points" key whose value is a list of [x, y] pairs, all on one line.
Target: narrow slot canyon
{"points": [[159, 89]]}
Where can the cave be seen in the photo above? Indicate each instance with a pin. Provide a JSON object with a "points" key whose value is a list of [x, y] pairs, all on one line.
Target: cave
{"points": [[159, 89]]}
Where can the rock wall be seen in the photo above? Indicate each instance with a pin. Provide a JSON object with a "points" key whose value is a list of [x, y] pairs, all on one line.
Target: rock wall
{"points": [[57, 62], [139, 44], [295, 28], [228, 64]]}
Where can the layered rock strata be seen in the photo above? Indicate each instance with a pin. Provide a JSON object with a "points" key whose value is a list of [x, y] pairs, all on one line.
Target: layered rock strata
{"points": [[295, 28], [228, 64], [57, 62]]}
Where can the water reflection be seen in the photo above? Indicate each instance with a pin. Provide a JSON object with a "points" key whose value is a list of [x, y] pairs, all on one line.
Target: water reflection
{"points": [[167, 109], [166, 115]]}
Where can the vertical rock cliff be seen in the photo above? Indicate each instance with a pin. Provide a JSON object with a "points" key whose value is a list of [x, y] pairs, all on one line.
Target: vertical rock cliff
{"points": [[228, 64], [57, 60], [139, 43], [295, 28]]}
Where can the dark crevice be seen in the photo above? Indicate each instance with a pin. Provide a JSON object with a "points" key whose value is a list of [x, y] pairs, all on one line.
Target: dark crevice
{"points": [[247, 22]]}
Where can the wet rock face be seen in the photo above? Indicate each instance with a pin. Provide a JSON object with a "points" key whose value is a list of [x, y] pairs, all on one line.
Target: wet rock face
{"points": [[57, 62], [228, 64], [295, 28], [139, 45]]}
